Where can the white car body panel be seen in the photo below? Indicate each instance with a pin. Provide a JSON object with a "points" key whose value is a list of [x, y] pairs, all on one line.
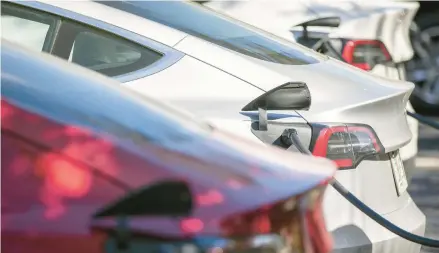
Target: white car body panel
{"points": [[247, 68], [223, 104], [281, 18]]}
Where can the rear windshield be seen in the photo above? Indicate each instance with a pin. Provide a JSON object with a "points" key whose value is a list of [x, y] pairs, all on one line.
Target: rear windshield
{"points": [[208, 25]]}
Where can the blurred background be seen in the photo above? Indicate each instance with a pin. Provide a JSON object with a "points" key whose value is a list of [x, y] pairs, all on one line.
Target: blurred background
{"points": [[424, 187]]}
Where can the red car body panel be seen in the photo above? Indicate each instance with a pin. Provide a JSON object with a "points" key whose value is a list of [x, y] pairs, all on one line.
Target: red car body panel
{"points": [[56, 175]]}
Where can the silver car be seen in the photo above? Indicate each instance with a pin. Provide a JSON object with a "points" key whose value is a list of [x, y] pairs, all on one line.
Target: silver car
{"points": [[251, 83]]}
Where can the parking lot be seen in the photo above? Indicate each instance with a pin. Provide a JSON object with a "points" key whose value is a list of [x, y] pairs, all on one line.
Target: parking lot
{"points": [[425, 185], [210, 126]]}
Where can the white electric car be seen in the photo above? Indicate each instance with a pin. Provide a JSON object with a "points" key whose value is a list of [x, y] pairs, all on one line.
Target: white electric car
{"points": [[246, 81], [371, 35]]}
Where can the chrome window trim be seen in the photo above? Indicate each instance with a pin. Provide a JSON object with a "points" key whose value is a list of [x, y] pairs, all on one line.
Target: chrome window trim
{"points": [[170, 55]]}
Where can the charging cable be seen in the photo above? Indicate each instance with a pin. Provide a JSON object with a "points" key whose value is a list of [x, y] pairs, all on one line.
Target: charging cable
{"points": [[424, 120], [294, 138]]}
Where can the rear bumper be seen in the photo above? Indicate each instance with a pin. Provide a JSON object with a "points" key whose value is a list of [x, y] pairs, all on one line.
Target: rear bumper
{"points": [[368, 236], [410, 167]]}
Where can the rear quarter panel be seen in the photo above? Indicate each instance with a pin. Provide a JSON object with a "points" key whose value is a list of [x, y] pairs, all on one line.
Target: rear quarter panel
{"points": [[205, 91]]}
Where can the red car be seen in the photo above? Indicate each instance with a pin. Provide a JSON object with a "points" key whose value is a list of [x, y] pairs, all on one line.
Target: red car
{"points": [[83, 160]]}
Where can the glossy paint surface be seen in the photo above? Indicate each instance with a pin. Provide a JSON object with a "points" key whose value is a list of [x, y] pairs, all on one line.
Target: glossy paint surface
{"points": [[73, 141]]}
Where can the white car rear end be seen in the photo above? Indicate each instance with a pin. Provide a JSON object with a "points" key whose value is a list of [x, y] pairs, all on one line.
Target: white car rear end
{"points": [[363, 25]]}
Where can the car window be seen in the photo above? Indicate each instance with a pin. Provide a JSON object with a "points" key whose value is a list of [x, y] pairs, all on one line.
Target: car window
{"points": [[206, 24], [30, 29], [105, 53]]}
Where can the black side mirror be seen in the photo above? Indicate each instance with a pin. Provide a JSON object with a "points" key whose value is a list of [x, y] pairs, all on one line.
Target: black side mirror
{"points": [[168, 198]]}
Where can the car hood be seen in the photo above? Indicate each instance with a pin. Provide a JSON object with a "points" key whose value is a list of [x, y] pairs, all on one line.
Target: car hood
{"points": [[339, 92]]}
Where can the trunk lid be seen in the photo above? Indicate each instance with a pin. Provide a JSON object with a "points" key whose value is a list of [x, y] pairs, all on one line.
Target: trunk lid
{"points": [[341, 93]]}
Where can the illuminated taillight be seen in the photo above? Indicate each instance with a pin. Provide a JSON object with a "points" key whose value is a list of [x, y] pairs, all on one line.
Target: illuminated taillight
{"points": [[346, 145], [365, 54], [191, 225]]}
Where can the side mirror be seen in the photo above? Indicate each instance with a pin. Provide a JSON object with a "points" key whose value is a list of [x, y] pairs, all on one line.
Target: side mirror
{"points": [[168, 198]]}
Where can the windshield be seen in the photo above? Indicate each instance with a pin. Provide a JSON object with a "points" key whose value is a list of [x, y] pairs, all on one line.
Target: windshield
{"points": [[208, 25]]}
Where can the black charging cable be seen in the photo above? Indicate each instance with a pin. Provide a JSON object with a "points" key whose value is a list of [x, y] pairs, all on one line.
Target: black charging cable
{"points": [[326, 42], [424, 120], [294, 138]]}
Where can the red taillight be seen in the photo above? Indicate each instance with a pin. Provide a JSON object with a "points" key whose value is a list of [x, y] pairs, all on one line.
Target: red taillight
{"points": [[346, 145], [299, 222], [191, 225], [364, 54]]}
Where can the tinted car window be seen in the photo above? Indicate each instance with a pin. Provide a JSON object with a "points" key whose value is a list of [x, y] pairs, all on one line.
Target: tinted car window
{"points": [[206, 24], [105, 53], [27, 28]]}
